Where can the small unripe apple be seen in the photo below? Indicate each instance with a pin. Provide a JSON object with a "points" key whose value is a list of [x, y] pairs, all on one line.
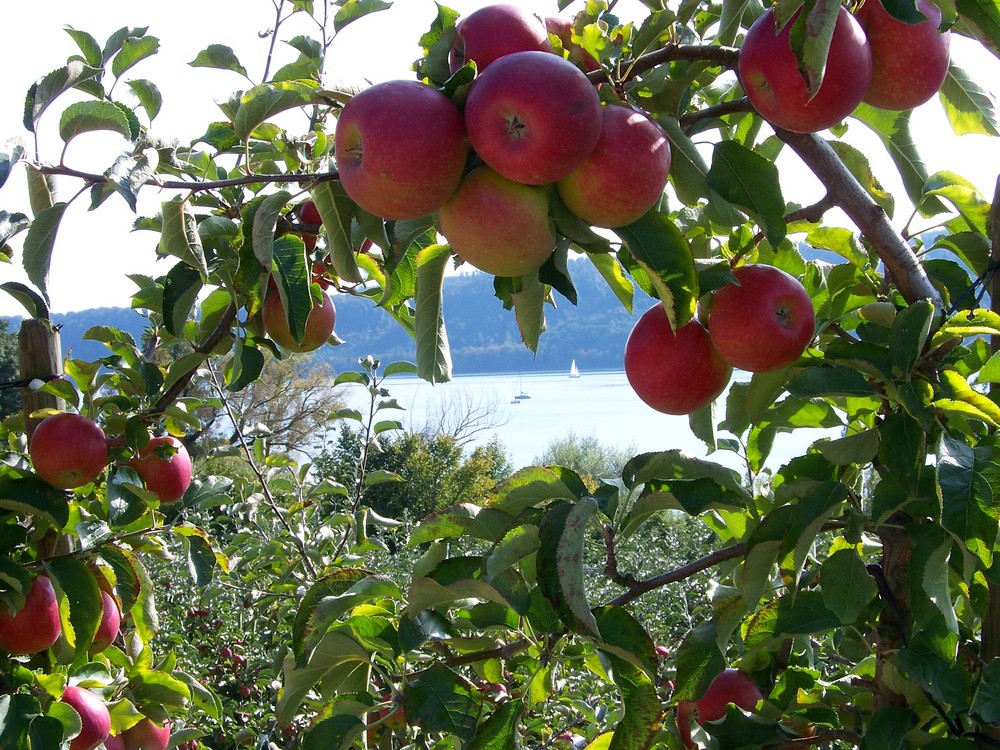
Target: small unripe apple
{"points": [[68, 450], [146, 735], [111, 620], [762, 323], [167, 478], [94, 717], [319, 323], [36, 626], [494, 31]]}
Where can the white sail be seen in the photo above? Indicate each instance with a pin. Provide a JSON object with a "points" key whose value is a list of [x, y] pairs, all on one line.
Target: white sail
{"points": [[574, 371]]}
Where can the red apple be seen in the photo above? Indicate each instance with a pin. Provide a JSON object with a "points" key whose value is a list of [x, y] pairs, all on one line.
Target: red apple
{"points": [[111, 620], [776, 87], [762, 323], [729, 686], [675, 373], [35, 626], [68, 450], [497, 225], [493, 31], [167, 478], [309, 214], [533, 117], [684, 711], [562, 28], [146, 735], [93, 715], [400, 149], [625, 174], [910, 61], [319, 323]]}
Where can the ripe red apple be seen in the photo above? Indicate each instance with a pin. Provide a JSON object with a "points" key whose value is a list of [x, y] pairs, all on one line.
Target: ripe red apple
{"points": [[94, 716], [764, 322], [319, 323], [778, 91], [146, 735], [493, 31], [35, 626], [68, 450], [562, 28], [909, 61], [497, 225], [167, 478], [111, 620], [625, 174], [309, 214], [729, 686], [675, 373], [400, 149], [533, 117]]}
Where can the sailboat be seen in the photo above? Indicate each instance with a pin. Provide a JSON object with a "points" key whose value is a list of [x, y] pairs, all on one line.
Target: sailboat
{"points": [[574, 371], [519, 394]]}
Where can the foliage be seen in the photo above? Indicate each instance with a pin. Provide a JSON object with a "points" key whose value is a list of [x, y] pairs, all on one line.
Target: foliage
{"points": [[586, 455], [10, 399]]}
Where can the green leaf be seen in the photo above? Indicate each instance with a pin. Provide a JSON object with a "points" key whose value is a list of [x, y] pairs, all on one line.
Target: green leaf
{"points": [[643, 709], [330, 599], [218, 56], [38, 244], [967, 477], [560, 563], [847, 585], [811, 382], [83, 596], [262, 102], [265, 219], [439, 700], [963, 195], [133, 50], [180, 293], [202, 559], [148, 95], [45, 91], [433, 350], [860, 167], [909, 335], [30, 496], [246, 365], [338, 659], [664, 253], [902, 448], [9, 156], [529, 309], [29, 299], [339, 732], [352, 10], [144, 614], [290, 269], [802, 614], [810, 38], [336, 210], [128, 584], [88, 46], [626, 638], [981, 20], [500, 730], [969, 107], [179, 236], [613, 274], [688, 169], [698, 662], [941, 678], [461, 519], [748, 180], [986, 701], [888, 727], [841, 241]]}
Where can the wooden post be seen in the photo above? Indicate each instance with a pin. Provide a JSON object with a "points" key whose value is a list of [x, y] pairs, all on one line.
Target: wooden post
{"points": [[40, 355]]}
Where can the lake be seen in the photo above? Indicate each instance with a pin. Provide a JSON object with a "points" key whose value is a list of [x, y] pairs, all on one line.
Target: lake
{"points": [[551, 406]]}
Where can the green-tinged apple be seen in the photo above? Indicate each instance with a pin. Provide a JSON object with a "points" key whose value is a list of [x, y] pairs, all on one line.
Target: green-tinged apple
{"points": [[111, 620], [146, 735], [494, 31], [762, 323], [675, 373], [497, 225], [534, 117], [400, 149], [167, 478], [625, 174], [68, 450], [909, 61], [561, 27], [35, 626], [319, 323], [94, 717], [776, 87]]}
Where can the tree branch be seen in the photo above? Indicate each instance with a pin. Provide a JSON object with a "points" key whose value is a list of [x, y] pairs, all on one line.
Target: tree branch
{"points": [[742, 104], [711, 53]]}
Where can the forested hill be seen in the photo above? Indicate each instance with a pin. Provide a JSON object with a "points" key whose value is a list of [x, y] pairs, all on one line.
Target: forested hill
{"points": [[484, 337]]}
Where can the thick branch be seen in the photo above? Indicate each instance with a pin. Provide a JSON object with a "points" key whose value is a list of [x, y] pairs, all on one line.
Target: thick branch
{"points": [[900, 261]]}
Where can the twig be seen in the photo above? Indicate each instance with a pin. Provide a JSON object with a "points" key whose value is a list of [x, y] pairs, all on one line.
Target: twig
{"points": [[742, 104], [711, 53], [500, 652]]}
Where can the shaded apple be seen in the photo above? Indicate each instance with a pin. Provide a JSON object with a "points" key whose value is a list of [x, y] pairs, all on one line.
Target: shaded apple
{"points": [[167, 478], [68, 450], [309, 214], [400, 149], [319, 323], [777, 89], [534, 117], [762, 323], [675, 373], [497, 225], [111, 620], [625, 174], [94, 716], [35, 626], [145, 735], [729, 686], [909, 61], [494, 31]]}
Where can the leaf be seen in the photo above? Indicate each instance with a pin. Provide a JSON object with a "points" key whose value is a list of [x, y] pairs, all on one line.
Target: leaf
{"points": [[179, 236], [439, 700], [613, 274], [986, 701], [84, 117], [9, 156], [148, 95], [626, 639], [500, 730], [888, 728], [219, 56], [336, 210], [290, 270], [858, 164], [339, 732], [30, 496], [45, 91], [909, 335], [643, 710], [202, 559], [38, 244], [981, 19], [810, 38], [32, 302], [688, 169], [88, 46], [801, 614], [847, 585], [352, 10], [963, 195], [267, 100], [246, 365], [336, 660], [969, 107], [180, 293], [433, 350], [698, 662], [750, 181], [144, 614], [529, 309], [811, 382], [133, 50], [560, 563], [967, 477], [940, 677], [83, 597]]}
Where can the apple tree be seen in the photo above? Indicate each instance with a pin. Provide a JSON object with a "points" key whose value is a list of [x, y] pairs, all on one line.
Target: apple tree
{"points": [[855, 595]]}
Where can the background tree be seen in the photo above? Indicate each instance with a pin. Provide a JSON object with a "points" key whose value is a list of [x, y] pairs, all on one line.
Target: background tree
{"points": [[10, 397], [587, 456]]}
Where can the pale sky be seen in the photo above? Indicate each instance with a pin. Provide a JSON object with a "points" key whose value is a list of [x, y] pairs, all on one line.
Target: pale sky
{"points": [[95, 250]]}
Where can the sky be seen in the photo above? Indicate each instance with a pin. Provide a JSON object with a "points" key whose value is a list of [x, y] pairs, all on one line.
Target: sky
{"points": [[95, 251]]}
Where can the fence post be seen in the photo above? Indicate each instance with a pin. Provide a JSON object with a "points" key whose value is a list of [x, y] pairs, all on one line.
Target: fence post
{"points": [[40, 356]]}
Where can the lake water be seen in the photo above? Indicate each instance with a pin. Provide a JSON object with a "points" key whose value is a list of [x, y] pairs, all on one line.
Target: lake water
{"points": [[552, 406]]}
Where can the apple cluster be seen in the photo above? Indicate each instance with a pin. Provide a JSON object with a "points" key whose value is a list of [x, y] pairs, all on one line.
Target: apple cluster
{"points": [[873, 58], [763, 321], [532, 126]]}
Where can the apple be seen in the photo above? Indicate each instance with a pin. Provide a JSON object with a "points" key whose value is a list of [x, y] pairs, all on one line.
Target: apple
{"points": [[497, 225], [35, 626], [167, 478], [762, 323], [625, 174], [319, 323], [145, 735], [729, 686], [684, 715], [94, 716], [68, 450], [777, 89], [662, 652], [309, 214], [494, 31], [561, 27], [400, 149], [909, 61], [111, 620], [675, 373], [534, 117]]}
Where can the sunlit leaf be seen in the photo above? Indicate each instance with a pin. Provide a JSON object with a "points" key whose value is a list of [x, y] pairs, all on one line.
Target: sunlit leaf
{"points": [[560, 563], [748, 180], [218, 56], [433, 349], [352, 10]]}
